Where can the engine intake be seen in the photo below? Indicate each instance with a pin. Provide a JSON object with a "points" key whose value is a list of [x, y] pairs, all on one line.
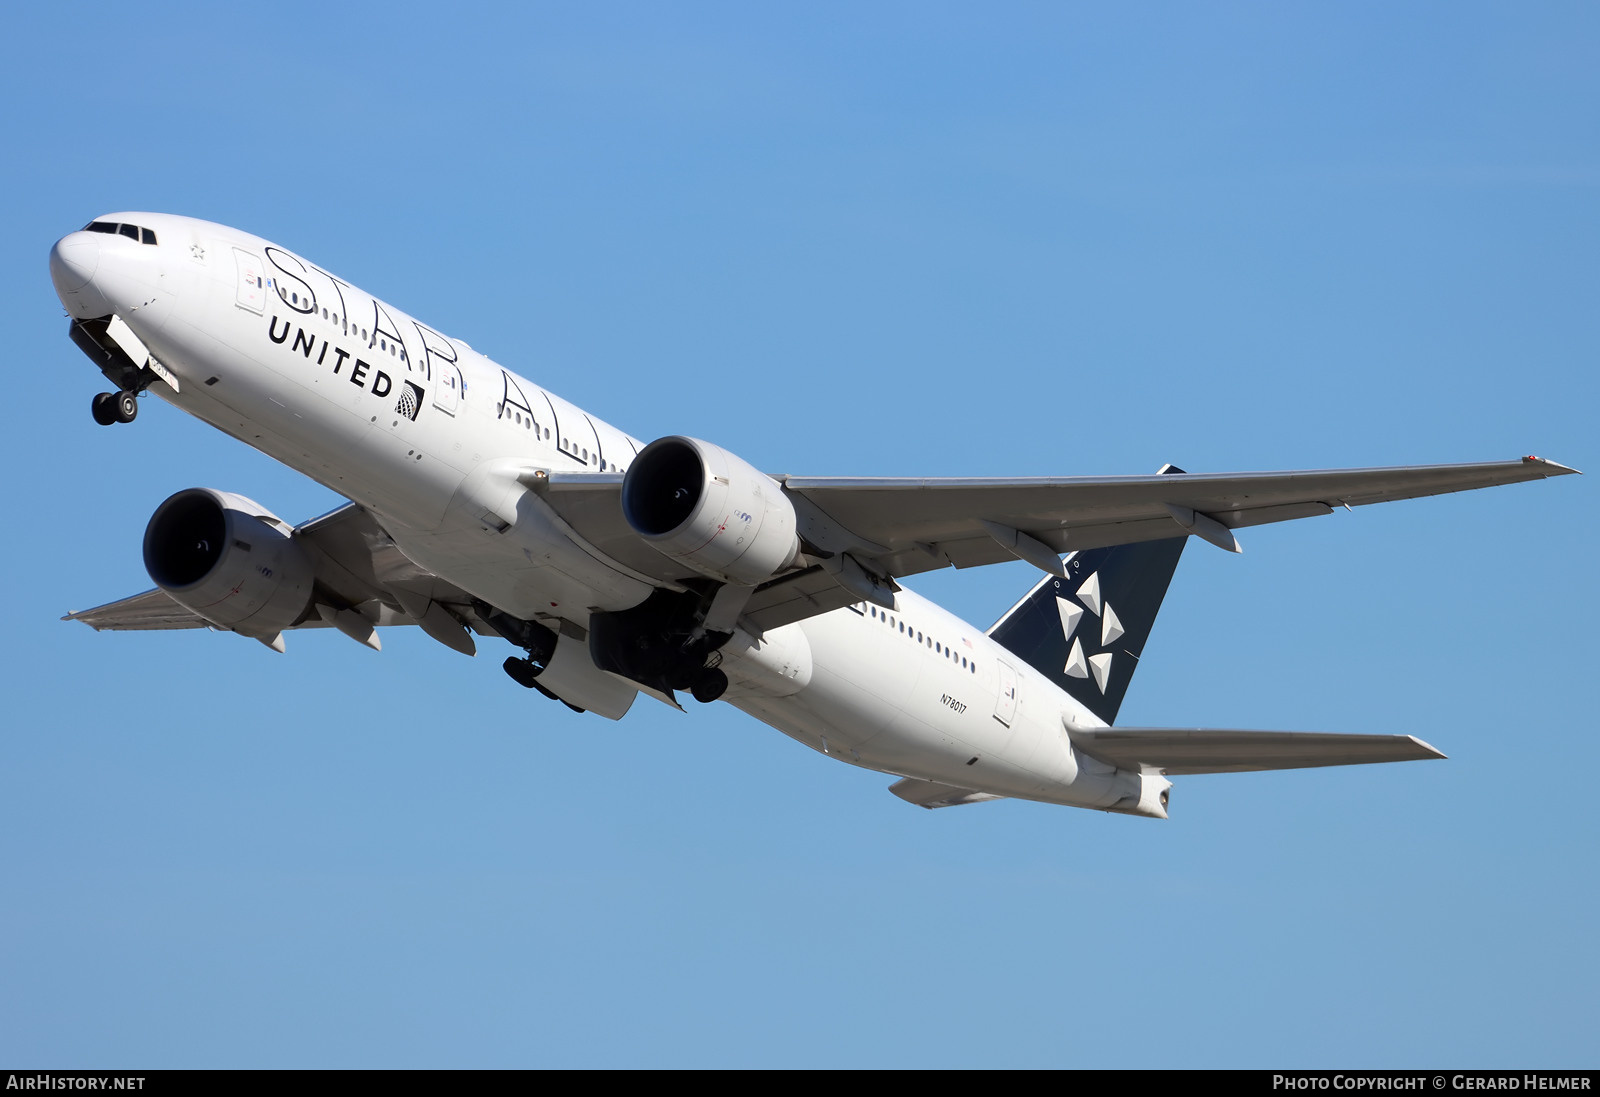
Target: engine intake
{"points": [[702, 506], [230, 560]]}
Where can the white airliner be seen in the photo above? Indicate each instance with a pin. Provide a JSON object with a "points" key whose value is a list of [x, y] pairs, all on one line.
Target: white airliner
{"points": [[483, 505]]}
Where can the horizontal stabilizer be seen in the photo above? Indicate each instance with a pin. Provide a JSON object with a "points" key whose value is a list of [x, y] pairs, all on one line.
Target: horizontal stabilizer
{"points": [[931, 794], [1176, 751]]}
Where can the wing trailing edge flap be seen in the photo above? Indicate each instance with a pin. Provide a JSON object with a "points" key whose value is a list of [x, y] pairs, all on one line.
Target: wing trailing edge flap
{"points": [[1177, 751], [833, 584], [931, 794]]}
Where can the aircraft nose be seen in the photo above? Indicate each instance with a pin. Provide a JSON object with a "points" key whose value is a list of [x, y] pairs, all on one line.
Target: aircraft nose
{"points": [[73, 261]]}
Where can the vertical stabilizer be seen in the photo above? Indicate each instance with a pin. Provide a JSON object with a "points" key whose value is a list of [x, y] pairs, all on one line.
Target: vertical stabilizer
{"points": [[1086, 632]]}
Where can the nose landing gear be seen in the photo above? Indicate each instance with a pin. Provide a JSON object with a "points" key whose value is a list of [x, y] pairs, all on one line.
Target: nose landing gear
{"points": [[115, 407]]}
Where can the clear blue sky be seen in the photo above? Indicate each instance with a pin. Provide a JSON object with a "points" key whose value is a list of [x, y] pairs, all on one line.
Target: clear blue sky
{"points": [[888, 239]]}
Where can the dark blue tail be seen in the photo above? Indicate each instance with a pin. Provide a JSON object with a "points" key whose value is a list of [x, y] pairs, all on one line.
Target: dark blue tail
{"points": [[1086, 632]]}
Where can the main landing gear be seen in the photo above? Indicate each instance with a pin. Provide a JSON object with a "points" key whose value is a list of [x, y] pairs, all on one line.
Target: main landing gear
{"points": [[525, 673], [709, 685], [648, 645], [115, 407]]}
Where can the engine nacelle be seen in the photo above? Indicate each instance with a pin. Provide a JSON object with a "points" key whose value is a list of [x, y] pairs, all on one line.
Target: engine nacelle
{"points": [[702, 506], [230, 560]]}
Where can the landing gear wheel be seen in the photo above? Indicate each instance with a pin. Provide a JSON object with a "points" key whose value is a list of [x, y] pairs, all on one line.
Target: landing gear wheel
{"points": [[522, 672], [103, 409], [709, 686], [127, 406]]}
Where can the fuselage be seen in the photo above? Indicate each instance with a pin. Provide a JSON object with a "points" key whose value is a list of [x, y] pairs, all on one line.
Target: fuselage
{"points": [[418, 428]]}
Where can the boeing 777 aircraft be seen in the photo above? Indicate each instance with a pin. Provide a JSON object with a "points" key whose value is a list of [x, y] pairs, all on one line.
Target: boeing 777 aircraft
{"points": [[483, 505]]}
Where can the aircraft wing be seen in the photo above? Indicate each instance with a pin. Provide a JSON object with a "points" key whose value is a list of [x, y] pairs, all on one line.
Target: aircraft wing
{"points": [[358, 569], [866, 533], [909, 518], [860, 534], [150, 610]]}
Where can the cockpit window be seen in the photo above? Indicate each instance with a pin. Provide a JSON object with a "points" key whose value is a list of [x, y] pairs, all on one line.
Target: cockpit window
{"points": [[132, 232]]}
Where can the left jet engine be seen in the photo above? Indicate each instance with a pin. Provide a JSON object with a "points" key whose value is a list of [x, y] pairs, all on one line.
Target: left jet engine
{"points": [[230, 560]]}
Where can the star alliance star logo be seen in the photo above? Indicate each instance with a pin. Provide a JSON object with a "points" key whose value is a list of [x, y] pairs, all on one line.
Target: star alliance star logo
{"points": [[1099, 665]]}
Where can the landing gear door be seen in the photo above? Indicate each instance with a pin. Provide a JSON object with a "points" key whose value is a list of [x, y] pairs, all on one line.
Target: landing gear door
{"points": [[447, 387], [1005, 704], [252, 281]]}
